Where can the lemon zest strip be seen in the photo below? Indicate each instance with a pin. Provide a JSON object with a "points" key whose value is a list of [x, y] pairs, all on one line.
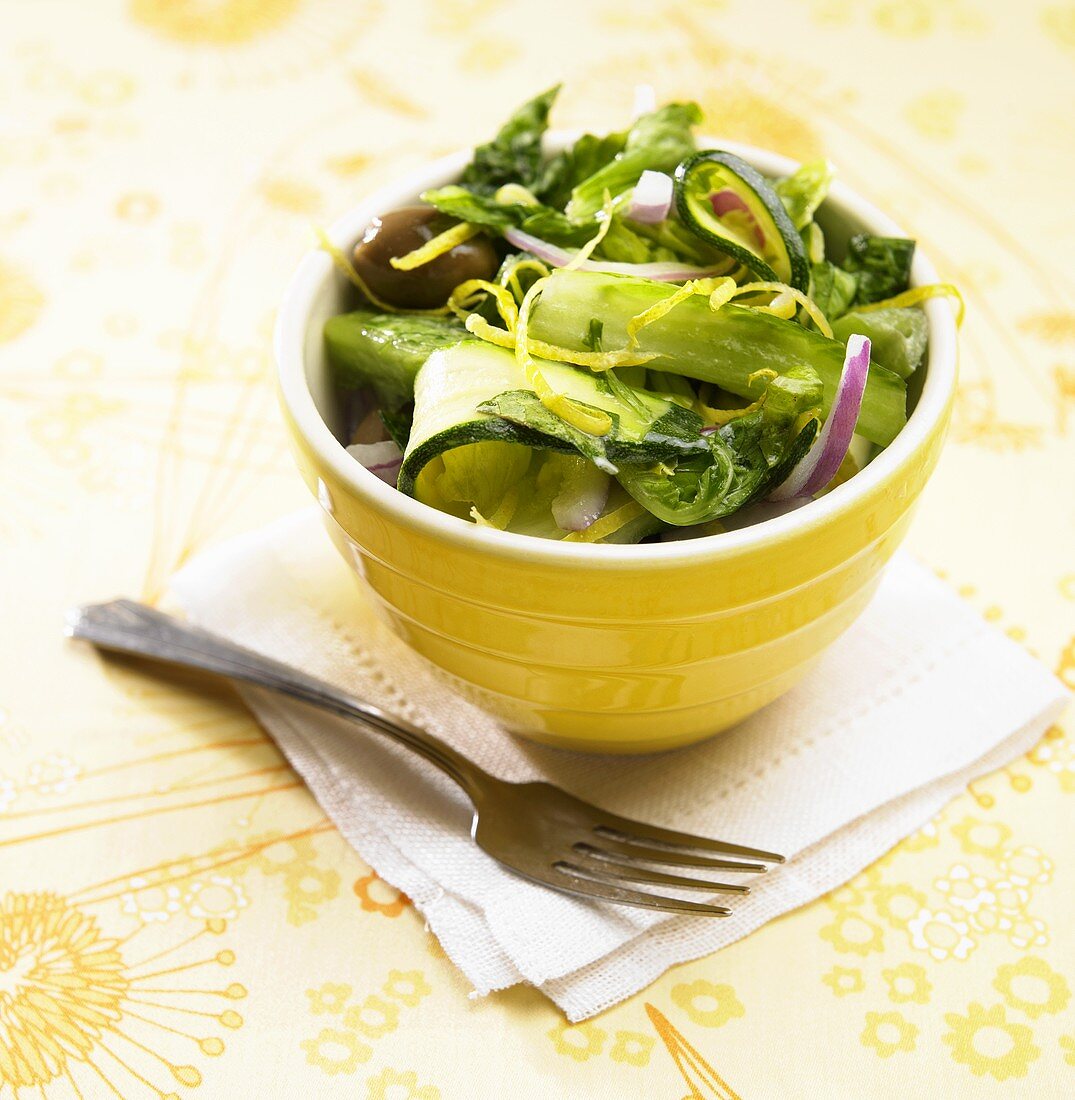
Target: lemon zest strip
{"points": [[784, 295], [465, 295], [437, 246], [920, 294], [586, 419], [607, 525]]}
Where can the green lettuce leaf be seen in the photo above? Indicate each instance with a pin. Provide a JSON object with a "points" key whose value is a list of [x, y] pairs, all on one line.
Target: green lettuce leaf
{"points": [[897, 336], [882, 264], [804, 191], [667, 241], [657, 141], [484, 210], [748, 457], [569, 168], [514, 155], [832, 288]]}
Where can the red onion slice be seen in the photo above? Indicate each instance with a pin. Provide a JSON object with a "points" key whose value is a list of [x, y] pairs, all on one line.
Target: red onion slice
{"points": [[555, 256], [582, 499], [821, 462], [651, 199], [381, 459]]}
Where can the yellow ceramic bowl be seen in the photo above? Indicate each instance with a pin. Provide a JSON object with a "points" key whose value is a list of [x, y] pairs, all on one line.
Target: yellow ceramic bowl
{"points": [[616, 649]]}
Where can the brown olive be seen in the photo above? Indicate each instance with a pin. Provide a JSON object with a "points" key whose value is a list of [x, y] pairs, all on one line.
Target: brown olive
{"points": [[401, 231]]}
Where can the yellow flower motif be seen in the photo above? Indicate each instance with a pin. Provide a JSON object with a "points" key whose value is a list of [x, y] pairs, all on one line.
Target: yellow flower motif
{"points": [[852, 933], [887, 1033], [578, 1041], [216, 897], [984, 1041], [1067, 1044], [632, 1048], [335, 1051], [305, 884], [377, 896], [374, 1017], [1009, 905], [150, 902], [391, 1084], [1033, 986], [306, 887], [61, 985], [221, 23], [907, 982], [898, 904], [329, 999], [1057, 756], [982, 838], [707, 1004], [1026, 931], [1027, 866], [965, 890], [941, 935], [406, 986], [843, 980]]}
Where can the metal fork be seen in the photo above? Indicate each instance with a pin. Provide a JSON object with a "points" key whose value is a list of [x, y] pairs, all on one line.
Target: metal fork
{"points": [[534, 829]]}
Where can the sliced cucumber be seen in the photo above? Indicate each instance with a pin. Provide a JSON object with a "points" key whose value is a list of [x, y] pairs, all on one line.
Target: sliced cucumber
{"points": [[385, 350], [727, 347], [733, 207], [475, 392]]}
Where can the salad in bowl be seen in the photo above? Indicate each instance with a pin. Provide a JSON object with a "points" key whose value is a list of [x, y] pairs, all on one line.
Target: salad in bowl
{"points": [[618, 432], [628, 340]]}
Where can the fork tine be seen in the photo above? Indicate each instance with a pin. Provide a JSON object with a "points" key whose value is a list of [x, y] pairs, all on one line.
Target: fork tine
{"points": [[586, 883], [671, 856], [627, 872], [630, 832]]}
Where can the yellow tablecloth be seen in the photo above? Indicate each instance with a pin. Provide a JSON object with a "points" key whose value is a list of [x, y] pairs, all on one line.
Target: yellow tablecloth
{"points": [[175, 914]]}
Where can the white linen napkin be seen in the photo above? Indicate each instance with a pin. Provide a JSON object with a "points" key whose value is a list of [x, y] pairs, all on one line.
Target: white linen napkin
{"points": [[918, 698]]}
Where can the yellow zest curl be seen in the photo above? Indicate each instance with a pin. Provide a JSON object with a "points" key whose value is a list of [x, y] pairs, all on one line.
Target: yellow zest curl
{"points": [[595, 360], [919, 294], [657, 311], [510, 276], [607, 525], [784, 295], [437, 246], [465, 295], [344, 265], [580, 416], [722, 293], [586, 250], [478, 326], [719, 291], [724, 416]]}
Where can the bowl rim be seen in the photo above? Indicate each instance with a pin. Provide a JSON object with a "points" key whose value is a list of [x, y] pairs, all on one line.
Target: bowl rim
{"points": [[316, 267]]}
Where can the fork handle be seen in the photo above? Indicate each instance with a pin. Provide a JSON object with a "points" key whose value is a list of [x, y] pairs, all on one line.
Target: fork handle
{"points": [[125, 626]]}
